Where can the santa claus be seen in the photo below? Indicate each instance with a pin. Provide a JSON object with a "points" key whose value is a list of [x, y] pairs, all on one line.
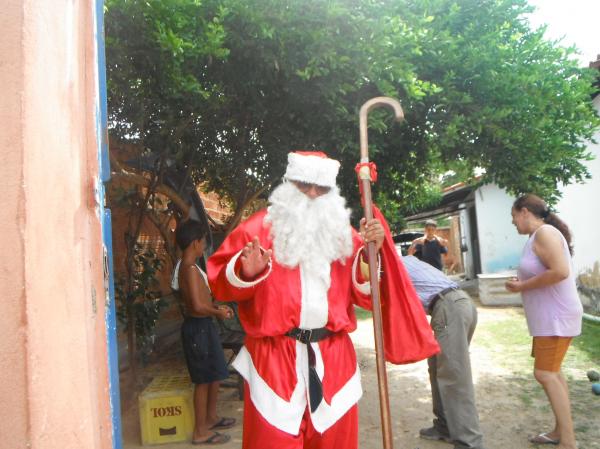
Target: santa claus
{"points": [[295, 271]]}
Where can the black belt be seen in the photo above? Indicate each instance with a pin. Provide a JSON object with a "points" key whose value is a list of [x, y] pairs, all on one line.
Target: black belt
{"points": [[309, 335], [306, 336], [439, 296]]}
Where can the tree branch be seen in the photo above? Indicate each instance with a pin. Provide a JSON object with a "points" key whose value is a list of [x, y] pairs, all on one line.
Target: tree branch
{"points": [[140, 180], [137, 179], [237, 217]]}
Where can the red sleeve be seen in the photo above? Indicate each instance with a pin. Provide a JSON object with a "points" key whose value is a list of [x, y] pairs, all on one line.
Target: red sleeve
{"points": [[223, 285]]}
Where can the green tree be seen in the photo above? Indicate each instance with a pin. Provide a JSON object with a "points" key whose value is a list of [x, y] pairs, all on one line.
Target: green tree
{"points": [[493, 94], [156, 52], [227, 87], [223, 89]]}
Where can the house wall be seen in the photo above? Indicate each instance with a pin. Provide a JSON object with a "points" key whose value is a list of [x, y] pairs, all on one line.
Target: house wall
{"points": [[53, 356], [215, 208], [465, 242], [14, 419], [499, 243], [580, 209], [453, 259]]}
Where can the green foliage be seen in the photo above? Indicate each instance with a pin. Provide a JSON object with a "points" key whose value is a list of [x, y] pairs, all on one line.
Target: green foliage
{"points": [[509, 338], [362, 314], [142, 303], [503, 338], [156, 54], [230, 86], [588, 345], [505, 99]]}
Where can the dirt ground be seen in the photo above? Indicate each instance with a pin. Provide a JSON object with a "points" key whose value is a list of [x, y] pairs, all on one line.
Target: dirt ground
{"points": [[510, 404]]}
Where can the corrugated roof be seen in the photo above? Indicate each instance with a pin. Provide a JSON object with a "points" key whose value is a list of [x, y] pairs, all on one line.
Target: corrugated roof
{"points": [[452, 201]]}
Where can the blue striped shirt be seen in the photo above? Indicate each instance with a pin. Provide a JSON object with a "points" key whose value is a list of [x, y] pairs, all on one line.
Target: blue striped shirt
{"points": [[427, 280]]}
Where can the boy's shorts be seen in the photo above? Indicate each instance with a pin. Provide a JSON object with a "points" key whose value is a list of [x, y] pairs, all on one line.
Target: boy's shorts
{"points": [[203, 352], [549, 352]]}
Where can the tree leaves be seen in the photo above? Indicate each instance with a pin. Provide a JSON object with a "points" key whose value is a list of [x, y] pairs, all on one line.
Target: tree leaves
{"points": [[230, 86]]}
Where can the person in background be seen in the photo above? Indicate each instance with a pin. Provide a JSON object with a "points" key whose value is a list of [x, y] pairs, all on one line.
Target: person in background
{"points": [[453, 320], [430, 247], [546, 281], [201, 344]]}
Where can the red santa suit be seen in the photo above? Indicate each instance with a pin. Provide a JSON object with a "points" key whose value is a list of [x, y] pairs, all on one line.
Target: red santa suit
{"points": [[274, 365]]}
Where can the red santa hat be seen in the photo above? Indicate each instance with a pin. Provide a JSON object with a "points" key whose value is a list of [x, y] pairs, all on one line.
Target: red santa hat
{"points": [[313, 167]]}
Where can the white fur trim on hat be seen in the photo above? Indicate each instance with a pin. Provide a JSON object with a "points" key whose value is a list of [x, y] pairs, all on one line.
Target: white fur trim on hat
{"points": [[314, 168]]}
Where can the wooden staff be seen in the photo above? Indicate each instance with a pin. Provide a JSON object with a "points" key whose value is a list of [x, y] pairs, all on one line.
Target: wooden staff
{"points": [[365, 180]]}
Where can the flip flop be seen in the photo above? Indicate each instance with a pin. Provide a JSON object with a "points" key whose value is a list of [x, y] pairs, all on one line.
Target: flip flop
{"points": [[224, 423], [543, 438], [216, 438]]}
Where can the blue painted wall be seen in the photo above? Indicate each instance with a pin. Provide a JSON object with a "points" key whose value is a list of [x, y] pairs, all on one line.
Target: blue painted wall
{"points": [[104, 163]]}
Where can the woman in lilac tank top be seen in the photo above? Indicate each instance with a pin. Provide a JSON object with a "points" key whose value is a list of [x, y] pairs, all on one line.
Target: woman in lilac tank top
{"points": [[552, 307]]}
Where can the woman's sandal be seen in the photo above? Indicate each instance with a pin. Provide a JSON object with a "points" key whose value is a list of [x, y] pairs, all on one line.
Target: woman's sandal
{"points": [[216, 438], [542, 438]]}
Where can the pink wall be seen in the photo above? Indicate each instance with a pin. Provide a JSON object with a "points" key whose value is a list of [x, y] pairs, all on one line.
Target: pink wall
{"points": [[53, 363], [13, 365]]}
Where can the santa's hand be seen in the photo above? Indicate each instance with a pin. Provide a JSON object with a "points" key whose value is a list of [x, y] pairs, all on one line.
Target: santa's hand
{"points": [[254, 259], [372, 231]]}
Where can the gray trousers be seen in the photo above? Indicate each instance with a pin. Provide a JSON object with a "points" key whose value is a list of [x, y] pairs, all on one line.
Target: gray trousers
{"points": [[453, 320]]}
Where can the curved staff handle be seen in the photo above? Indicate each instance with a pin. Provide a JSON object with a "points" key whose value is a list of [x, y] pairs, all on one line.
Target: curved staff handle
{"points": [[364, 112], [365, 179]]}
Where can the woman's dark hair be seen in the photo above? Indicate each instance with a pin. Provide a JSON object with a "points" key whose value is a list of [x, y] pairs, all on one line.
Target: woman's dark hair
{"points": [[188, 231], [540, 209]]}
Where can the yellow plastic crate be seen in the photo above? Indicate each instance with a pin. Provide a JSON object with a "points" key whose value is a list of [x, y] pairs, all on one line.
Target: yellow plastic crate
{"points": [[166, 410]]}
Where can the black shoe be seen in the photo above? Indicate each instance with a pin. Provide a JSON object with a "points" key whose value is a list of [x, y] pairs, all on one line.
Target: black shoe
{"points": [[431, 433]]}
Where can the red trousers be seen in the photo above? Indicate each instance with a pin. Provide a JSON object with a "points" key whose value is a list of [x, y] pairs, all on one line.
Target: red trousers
{"points": [[259, 434]]}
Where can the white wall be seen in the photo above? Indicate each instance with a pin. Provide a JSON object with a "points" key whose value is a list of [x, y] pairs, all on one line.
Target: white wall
{"points": [[501, 246], [499, 243], [580, 209], [465, 240]]}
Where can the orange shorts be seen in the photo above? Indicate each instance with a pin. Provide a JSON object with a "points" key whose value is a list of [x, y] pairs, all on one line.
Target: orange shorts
{"points": [[549, 352]]}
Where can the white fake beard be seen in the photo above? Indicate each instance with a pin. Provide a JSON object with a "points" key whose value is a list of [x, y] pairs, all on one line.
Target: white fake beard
{"points": [[311, 232]]}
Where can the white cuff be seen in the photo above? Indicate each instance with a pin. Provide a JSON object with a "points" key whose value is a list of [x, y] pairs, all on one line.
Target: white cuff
{"points": [[235, 280], [364, 288]]}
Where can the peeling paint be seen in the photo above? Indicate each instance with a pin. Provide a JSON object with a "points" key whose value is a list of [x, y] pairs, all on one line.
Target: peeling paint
{"points": [[94, 304]]}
